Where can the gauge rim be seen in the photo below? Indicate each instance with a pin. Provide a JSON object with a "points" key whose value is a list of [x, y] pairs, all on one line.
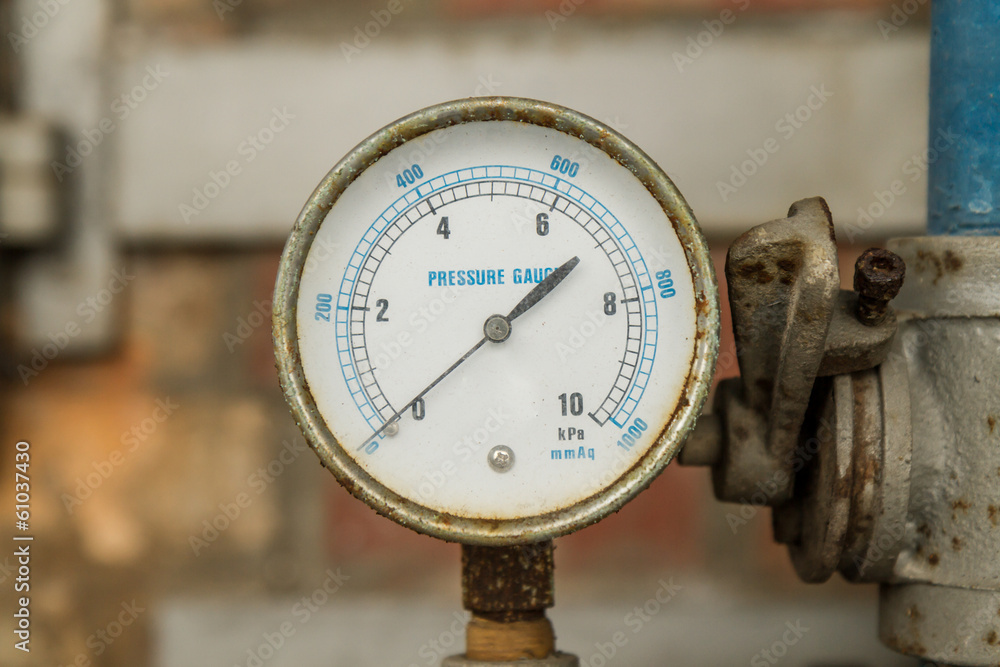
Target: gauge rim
{"points": [[478, 530]]}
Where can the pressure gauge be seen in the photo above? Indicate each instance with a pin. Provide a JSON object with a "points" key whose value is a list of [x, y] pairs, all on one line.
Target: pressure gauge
{"points": [[496, 320]]}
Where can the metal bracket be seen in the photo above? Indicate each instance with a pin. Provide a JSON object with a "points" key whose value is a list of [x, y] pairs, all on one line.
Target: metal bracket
{"points": [[783, 280], [792, 324]]}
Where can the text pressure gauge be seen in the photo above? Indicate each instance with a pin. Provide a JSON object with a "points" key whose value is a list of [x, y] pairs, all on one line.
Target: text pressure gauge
{"points": [[496, 320]]}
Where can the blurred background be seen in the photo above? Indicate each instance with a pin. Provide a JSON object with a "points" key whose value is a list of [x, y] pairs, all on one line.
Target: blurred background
{"points": [[153, 156]]}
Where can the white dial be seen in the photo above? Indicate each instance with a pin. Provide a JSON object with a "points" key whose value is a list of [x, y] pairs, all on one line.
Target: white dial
{"points": [[495, 321]]}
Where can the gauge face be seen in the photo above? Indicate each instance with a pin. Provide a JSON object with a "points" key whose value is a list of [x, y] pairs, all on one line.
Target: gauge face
{"points": [[493, 331]]}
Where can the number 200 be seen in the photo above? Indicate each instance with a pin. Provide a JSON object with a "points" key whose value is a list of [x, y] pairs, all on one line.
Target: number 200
{"points": [[323, 307]]}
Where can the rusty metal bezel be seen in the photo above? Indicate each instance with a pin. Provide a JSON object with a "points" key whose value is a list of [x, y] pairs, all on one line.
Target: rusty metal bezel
{"points": [[475, 530]]}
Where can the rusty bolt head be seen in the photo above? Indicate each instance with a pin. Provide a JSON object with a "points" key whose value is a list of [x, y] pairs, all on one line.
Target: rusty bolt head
{"points": [[878, 277]]}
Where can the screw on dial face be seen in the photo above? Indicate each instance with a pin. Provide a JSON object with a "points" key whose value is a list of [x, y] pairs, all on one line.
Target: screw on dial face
{"points": [[501, 458], [592, 376]]}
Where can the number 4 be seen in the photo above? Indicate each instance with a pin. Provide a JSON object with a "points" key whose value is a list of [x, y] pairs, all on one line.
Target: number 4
{"points": [[443, 228]]}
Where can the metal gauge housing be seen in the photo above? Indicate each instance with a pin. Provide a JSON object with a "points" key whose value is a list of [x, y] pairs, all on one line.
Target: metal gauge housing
{"points": [[496, 320]]}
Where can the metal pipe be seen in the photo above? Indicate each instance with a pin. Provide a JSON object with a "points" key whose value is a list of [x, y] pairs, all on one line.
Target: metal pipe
{"points": [[963, 188]]}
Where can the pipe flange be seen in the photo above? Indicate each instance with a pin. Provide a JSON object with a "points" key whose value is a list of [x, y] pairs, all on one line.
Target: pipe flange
{"points": [[883, 451], [848, 513], [815, 522]]}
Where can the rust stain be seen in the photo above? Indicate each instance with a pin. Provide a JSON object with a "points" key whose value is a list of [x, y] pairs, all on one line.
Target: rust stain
{"points": [[934, 559], [961, 504], [866, 466], [993, 512], [926, 259], [788, 268], [992, 639], [956, 544], [842, 486], [992, 421], [789, 264], [952, 262], [949, 263], [924, 530], [878, 277], [755, 271], [906, 646]]}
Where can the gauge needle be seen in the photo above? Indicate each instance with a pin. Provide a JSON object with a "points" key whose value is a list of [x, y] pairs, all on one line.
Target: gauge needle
{"points": [[496, 329]]}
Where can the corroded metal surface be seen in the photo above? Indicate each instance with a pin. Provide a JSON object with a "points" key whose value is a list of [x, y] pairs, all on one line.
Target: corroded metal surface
{"points": [[848, 513], [506, 583], [883, 466], [941, 624], [679, 419], [783, 283], [508, 589], [920, 491], [852, 345], [793, 324], [954, 374], [949, 276], [878, 275], [818, 515]]}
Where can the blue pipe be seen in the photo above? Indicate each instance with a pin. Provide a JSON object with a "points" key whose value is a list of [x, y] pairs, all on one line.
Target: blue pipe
{"points": [[963, 180]]}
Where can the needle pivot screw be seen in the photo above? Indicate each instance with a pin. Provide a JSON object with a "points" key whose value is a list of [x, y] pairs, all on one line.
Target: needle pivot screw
{"points": [[496, 328]]}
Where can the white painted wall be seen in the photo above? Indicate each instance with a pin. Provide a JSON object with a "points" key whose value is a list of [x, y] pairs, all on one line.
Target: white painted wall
{"points": [[697, 123]]}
